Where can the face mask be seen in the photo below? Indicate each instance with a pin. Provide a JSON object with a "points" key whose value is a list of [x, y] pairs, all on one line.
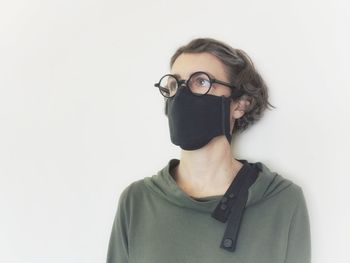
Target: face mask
{"points": [[195, 120]]}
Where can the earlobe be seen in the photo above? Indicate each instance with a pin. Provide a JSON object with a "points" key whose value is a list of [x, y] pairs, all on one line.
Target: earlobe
{"points": [[238, 114]]}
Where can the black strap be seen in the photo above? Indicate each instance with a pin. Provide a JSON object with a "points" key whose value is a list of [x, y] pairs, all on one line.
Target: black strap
{"points": [[231, 206]]}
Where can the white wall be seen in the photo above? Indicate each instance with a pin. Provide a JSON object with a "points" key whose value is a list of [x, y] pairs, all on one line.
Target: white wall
{"points": [[80, 118]]}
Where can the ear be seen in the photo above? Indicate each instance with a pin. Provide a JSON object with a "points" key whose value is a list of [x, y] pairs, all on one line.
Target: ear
{"points": [[239, 107]]}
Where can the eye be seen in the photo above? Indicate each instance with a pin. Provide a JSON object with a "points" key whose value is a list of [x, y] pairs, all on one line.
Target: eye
{"points": [[164, 90], [172, 84], [168, 86], [201, 82]]}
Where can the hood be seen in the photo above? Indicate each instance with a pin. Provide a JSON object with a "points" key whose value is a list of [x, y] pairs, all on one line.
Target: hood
{"points": [[267, 184]]}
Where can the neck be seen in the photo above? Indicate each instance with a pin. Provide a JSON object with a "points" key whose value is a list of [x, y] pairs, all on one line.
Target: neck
{"points": [[207, 171]]}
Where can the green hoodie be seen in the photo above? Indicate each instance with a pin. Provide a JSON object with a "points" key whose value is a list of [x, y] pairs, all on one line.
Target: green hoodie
{"points": [[156, 222]]}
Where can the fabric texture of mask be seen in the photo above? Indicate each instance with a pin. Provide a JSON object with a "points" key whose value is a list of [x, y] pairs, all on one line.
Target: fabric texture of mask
{"points": [[195, 120]]}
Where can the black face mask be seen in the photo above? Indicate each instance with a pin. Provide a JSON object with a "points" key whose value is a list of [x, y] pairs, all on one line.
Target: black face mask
{"points": [[195, 120]]}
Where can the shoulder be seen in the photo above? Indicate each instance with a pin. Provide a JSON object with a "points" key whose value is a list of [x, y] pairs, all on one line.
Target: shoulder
{"points": [[271, 185], [132, 191]]}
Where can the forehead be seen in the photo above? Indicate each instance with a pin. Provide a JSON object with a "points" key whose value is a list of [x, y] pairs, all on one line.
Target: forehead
{"points": [[188, 63]]}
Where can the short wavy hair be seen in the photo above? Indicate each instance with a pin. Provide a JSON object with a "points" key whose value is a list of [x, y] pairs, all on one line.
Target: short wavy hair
{"points": [[241, 72]]}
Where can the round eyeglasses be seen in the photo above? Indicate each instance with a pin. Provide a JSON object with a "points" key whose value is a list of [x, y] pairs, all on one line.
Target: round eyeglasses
{"points": [[199, 84]]}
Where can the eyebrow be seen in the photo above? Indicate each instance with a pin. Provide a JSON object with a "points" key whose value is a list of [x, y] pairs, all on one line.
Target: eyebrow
{"points": [[210, 75], [176, 75]]}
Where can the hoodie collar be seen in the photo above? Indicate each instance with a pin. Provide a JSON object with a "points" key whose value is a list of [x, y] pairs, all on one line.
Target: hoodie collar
{"points": [[162, 183]]}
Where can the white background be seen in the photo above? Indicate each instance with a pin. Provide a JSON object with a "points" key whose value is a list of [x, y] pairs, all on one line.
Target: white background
{"points": [[80, 119]]}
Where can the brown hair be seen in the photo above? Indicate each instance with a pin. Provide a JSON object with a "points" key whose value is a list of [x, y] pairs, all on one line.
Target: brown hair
{"points": [[241, 72]]}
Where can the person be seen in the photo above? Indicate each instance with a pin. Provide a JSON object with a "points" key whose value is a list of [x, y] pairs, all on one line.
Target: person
{"points": [[209, 206]]}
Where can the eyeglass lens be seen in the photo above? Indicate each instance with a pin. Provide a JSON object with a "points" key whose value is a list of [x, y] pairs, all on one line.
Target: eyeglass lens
{"points": [[199, 83]]}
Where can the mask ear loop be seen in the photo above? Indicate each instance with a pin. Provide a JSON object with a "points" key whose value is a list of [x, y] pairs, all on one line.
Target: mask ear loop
{"points": [[225, 109], [236, 94]]}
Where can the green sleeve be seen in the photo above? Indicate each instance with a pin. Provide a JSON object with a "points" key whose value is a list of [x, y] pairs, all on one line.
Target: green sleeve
{"points": [[299, 243], [118, 241]]}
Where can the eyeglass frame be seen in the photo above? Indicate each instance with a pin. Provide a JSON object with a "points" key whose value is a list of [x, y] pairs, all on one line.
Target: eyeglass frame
{"points": [[185, 82]]}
